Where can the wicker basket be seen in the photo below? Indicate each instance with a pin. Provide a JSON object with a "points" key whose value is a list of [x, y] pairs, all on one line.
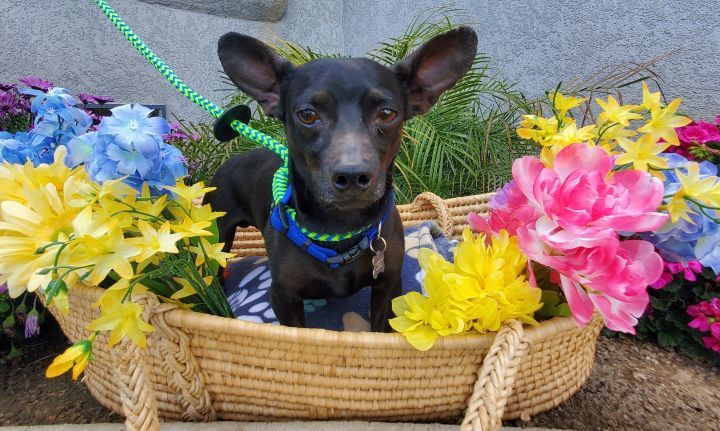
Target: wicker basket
{"points": [[200, 367]]}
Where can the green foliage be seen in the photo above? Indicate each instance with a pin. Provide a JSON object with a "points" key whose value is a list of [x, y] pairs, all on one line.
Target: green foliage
{"points": [[666, 321]]}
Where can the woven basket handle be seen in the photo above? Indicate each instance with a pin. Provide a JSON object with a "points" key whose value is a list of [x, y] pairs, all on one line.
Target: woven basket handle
{"points": [[439, 205], [495, 379]]}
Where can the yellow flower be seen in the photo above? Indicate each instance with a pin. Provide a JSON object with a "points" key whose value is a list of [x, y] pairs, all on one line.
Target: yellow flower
{"points": [[154, 241], [704, 190], [616, 113], [122, 319], [568, 135], [650, 101], [481, 289], [186, 194], [642, 153], [213, 252], [663, 122], [110, 252], [75, 357], [28, 226], [565, 103], [537, 129]]}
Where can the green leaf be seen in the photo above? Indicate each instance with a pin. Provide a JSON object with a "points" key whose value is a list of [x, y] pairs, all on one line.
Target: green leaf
{"points": [[660, 304], [552, 306], [4, 306], [670, 338]]}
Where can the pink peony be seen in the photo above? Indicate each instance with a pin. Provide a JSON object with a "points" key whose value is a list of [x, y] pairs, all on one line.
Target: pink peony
{"points": [[567, 218], [612, 277]]}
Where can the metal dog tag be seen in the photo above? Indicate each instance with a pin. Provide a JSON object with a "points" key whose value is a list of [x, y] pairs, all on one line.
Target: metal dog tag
{"points": [[378, 260], [378, 263]]}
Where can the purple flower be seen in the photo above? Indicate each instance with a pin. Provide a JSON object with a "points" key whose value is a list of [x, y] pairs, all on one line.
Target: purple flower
{"points": [[37, 83], [3, 288], [9, 104], [101, 100], [32, 328], [6, 87], [500, 198], [86, 98]]}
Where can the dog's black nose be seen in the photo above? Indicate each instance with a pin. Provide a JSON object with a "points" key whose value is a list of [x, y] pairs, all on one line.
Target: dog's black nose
{"points": [[349, 178]]}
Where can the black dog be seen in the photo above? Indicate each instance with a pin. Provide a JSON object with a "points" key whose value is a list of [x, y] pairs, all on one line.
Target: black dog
{"points": [[343, 119]]}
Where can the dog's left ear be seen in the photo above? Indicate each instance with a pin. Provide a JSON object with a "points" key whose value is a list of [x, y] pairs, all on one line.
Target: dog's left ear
{"points": [[435, 67]]}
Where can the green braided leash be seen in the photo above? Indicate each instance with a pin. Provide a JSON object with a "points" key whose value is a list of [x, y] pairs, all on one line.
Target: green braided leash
{"points": [[280, 179]]}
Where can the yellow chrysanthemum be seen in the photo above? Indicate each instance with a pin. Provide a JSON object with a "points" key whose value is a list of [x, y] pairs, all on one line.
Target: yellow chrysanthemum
{"points": [[481, 289]]}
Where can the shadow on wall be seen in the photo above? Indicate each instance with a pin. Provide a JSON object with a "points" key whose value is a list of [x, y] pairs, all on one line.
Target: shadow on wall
{"points": [[256, 10]]}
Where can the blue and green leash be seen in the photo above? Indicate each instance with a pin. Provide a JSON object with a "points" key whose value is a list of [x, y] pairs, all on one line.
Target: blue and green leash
{"points": [[283, 218]]}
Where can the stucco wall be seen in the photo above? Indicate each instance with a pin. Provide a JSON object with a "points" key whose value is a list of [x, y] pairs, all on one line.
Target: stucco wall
{"points": [[537, 43], [533, 42], [72, 43]]}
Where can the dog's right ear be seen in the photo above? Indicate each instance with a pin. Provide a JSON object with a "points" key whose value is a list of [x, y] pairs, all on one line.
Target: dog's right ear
{"points": [[255, 68]]}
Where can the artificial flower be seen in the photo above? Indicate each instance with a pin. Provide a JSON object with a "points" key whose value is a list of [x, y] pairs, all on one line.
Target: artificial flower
{"points": [[155, 241], [567, 218], [664, 121], [616, 113], [643, 154], [650, 101], [565, 103], [123, 319], [698, 133], [484, 287], [37, 83], [75, 357], [210, 251]]}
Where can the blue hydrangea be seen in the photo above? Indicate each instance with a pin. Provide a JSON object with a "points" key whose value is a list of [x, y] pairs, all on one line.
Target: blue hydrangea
{"points": [[683, 241], [57, 122], [129, 145]]}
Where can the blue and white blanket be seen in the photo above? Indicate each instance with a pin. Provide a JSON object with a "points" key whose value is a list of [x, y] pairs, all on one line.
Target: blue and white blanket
{"points": [[247, 283]]}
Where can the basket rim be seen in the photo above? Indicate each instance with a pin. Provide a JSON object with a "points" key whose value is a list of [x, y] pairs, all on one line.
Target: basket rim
{"points": [[231, 327]]}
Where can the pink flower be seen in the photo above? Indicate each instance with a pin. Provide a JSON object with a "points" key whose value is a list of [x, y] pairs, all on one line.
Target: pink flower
{"points": [[698, 133], [712, 343], [663, 281], [568, 217], [706, 316], [693, 267], [611, 277], [581, 204]]}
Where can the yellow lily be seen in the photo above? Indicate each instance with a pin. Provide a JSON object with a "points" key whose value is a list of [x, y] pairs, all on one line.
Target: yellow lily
{"points": [[616, 113], [213, 252], [123, 319], [643, 153], [663, 122], [75, 357], [650, 101], [154, 241]]}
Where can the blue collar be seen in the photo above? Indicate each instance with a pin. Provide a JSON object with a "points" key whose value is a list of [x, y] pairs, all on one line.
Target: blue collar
{"points": [[283, 223]]}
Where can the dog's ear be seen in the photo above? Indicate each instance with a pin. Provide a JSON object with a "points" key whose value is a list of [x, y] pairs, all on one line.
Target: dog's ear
{"points": [[255, 68], [436, 66]]}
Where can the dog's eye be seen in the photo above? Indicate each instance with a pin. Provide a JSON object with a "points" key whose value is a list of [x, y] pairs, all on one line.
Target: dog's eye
{"points": [[386, 115], [307, 116]]}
